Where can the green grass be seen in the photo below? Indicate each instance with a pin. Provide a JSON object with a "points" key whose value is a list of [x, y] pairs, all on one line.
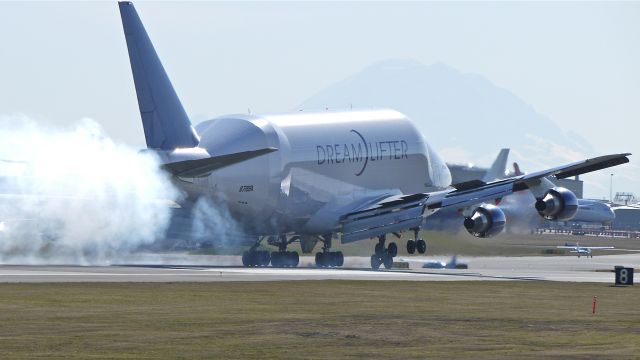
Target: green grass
{"points": [[318, 320]]}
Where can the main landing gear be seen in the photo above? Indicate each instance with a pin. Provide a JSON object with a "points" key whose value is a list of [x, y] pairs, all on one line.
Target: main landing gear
{"points": [[280, 258], [418, 244], [328, 258], [383, 256], [253, 257]]}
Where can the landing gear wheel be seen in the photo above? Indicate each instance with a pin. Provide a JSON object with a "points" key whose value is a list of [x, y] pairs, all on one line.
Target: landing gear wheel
{"points": [[392, 249], [329, 259], [294, 259], [276, 259], [264, 258], [320, 259], [388, 261], [285, 259], [421, 246], [411, 246], [375, 262], [338, 258], [246, 259], [379, 249]]}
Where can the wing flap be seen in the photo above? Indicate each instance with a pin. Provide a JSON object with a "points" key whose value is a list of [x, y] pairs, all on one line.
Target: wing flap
{"points": [[384, 217]]}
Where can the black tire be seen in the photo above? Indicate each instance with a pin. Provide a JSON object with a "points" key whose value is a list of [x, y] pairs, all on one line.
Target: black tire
{"points": [[375, 262], [379, 249], [387, 261], [421, 246], [339, 259], [411, 246], [320, 259], [294, 259], [264, 258], [392, 249], [329, 259], [252, 258], [246, 259], [276, 259]]}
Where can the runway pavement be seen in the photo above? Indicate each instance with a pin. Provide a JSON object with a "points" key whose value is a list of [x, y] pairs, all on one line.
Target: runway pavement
{"points": [[172, 268]]}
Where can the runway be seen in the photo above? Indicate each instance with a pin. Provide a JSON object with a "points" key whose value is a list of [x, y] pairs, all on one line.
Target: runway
{"points": [[191, 268]]}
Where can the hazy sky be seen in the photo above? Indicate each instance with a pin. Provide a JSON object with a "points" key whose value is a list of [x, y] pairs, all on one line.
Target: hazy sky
{"points": [[578, 63]]}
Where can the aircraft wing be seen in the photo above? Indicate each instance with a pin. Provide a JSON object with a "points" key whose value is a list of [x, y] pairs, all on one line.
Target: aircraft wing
{"points": [[404, 212]]}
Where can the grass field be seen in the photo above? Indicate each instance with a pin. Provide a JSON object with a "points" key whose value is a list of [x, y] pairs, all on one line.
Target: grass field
{"points": [[319, 320]]}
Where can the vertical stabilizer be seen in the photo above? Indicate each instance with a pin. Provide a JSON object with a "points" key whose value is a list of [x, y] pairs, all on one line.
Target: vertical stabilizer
{"points": [[498, 168], [166, 124]]}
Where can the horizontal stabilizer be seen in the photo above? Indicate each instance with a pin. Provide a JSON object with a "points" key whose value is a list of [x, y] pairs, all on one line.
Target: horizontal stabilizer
{"points": [[204, 167]]}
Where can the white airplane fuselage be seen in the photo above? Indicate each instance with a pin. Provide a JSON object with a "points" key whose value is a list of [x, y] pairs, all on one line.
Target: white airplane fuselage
{"points": [[324, 164]]}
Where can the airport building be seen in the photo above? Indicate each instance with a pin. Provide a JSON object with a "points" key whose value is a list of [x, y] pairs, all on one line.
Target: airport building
{"points": [[627, 218]]}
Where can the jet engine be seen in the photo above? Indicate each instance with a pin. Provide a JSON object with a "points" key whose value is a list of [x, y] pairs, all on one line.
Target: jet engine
{"points": [[485, 221], [557, 203]]}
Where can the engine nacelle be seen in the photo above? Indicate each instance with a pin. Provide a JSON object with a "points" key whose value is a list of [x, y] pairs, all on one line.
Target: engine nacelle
{"points": [[557, 203], [486, 221]]}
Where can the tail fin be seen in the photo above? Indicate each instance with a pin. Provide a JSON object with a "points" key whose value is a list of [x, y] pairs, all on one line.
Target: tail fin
{"points": [[498, 167], [166, 124], [516, 169]]}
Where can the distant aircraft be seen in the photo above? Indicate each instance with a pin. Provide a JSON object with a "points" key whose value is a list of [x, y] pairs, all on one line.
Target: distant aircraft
{"points": [[452, 264], [312, 177], [462, 173], [583, 250]]}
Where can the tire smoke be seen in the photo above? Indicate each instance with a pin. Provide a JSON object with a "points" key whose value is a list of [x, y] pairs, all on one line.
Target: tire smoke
{"points": [[76, 196]]}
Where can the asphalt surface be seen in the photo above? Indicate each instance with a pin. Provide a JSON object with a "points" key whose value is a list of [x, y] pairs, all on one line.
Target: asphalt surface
{"points": [[172, 268]]}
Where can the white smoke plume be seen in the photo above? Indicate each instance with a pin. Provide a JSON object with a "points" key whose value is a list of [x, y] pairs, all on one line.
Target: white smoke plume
{"points": [[212, 222], [76, 196]]}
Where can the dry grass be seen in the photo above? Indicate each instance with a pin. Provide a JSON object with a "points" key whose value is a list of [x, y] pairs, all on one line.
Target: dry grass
{"points": [[319, 320]]}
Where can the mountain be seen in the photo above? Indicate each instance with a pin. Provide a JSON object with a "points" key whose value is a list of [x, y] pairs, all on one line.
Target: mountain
{"points": [[464, 116]]}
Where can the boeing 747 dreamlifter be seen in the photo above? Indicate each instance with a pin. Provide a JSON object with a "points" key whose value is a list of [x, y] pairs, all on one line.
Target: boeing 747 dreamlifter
{"points": [[315, 177]]}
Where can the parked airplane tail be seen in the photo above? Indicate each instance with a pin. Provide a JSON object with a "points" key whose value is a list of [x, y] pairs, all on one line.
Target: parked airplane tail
{"points": [[516, 169], [166, 124], [498, 168]]}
